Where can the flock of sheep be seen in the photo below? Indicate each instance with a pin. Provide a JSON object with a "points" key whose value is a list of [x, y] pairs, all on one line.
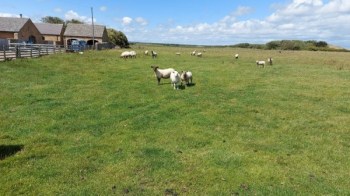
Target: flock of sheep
{"points": [[177, 78]]}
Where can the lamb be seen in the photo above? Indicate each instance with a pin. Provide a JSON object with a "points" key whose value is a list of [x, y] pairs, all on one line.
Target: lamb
{"points": [[186, 76], [260, 63], [236, 56], [161, 73], [154, 54], [175, 79], [270, 60]]}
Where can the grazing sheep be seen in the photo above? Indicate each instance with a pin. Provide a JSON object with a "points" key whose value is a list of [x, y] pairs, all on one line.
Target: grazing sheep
{"points": [[161, 73], [193, 53], [178, 53], [175, 79], [199, 54], [146, 52], [236, 56], [186, 76], [270, 60], [154, 54], [260, 63], [132, 54], [125, 54]]}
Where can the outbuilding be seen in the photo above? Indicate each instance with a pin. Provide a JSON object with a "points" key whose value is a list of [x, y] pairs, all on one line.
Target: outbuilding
{"points": [[19, 30], [85, 32]]}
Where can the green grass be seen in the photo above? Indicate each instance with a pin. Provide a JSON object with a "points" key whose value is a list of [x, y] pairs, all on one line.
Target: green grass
{"points": [[97, 124]]}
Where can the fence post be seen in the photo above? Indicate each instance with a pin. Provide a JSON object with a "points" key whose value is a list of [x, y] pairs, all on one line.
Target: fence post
{"points": [[31, 52], [3, 47]]}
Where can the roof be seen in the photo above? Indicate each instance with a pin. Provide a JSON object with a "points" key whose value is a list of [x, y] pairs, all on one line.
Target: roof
{"points": [[84, 30], [49, 29], [12, 24]]}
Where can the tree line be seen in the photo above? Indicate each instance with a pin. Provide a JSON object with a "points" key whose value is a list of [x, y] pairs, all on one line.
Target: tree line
{"points": [[115, 37], [311, 45]]}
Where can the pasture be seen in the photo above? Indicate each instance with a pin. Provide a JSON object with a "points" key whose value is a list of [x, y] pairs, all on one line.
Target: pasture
{"points": [[97, 124]]}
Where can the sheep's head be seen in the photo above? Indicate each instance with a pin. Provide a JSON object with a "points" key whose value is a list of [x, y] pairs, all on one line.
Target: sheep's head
{"points": [[154, 67]]}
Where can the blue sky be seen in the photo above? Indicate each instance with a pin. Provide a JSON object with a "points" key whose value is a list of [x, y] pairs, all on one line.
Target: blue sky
{"points": [[203, 22]]}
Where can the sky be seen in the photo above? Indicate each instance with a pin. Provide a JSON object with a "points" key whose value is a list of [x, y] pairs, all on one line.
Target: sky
{"points": [[202, 22]]}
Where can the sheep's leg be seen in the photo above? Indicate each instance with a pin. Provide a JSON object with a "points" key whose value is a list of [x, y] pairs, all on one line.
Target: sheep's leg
{"points": [[158, 80]]}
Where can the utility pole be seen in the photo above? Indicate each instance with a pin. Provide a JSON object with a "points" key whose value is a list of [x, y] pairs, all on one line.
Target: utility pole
{"points": [[93, 29]]}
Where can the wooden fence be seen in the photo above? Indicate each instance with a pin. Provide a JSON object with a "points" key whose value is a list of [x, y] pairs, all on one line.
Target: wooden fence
{"points": [[16, 51]]}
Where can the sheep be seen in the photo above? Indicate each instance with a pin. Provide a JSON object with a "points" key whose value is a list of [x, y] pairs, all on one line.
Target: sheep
{"points": [[146, 52], [125, 54], [186, 76], [161, 73], [199, 54], [236, 56], [193, 53], [270, 60], [175, 79], [154, 54], [260, 63], [132, 54], [178, 53]]}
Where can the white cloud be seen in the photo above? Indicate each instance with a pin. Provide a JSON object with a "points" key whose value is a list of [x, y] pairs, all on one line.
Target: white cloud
{"points": [[73, 15], [126, 20], [103, 8]]}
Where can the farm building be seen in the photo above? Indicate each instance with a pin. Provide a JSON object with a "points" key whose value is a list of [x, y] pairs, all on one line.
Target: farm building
{"points": [[84, 32], [19, 29], [51, 33]]}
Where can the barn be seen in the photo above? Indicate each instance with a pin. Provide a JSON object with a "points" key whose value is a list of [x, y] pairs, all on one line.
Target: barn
{"points": [[85, 32], [51, 33], [20, 30]]}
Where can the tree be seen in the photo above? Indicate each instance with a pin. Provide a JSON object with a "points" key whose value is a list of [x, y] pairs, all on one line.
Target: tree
{"points": [[118, 38], [321, 44], [52, 20]]}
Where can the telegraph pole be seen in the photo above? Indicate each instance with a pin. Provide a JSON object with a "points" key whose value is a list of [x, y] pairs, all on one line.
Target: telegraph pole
{"points": [[93, 29]]}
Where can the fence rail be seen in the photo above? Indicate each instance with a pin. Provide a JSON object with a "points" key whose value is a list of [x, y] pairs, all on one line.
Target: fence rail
{"points": [[16, 51]]}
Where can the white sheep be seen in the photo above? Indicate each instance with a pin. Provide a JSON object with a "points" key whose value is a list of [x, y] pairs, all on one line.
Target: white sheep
{"points": [[161, 73], [260, 63], [236, 56], [146, 52], [132, 54], [193, 53], [270, 60], [199, 54], [175, 79], [125, 54], [154, 54], [178, 53], [186, 76]]}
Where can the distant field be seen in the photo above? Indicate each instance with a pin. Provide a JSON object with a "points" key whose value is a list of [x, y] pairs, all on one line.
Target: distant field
{"points": [[97, 124]]}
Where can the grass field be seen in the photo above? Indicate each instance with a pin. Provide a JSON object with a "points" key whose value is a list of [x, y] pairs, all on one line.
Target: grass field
{"points": [[86, 124]]}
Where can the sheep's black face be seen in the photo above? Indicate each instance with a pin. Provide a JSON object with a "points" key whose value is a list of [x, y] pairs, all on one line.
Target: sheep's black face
{"points": [[154, 68]]}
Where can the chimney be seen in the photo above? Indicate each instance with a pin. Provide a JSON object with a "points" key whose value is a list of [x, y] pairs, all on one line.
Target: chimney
{"points": [[20, 15]]}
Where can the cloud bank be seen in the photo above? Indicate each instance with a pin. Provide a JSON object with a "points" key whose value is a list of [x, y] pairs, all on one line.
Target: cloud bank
{"points": [[300, 19]]}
